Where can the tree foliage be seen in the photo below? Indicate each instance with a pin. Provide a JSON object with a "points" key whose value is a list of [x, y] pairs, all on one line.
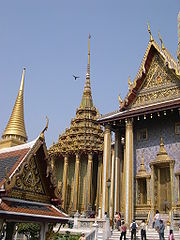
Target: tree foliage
{"points": [[30, 230]]}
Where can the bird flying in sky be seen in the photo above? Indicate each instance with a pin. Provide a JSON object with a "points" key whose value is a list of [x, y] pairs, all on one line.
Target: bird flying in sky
{"points": [[75, 77]]}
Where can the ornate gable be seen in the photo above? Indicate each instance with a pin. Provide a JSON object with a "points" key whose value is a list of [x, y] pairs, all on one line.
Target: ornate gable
{"points": [[28, 178], [31, 178], [160, 84]]}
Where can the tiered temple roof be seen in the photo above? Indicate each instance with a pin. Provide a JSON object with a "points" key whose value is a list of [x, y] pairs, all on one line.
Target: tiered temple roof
{"points": [[85, 134]]}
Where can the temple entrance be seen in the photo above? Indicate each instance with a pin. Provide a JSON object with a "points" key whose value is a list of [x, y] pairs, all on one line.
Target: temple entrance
{"points": [[164, 189], [162, 181]]}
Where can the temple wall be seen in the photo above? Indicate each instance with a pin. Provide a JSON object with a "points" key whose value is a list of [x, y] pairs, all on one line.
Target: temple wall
{"points": [[157, 127]]}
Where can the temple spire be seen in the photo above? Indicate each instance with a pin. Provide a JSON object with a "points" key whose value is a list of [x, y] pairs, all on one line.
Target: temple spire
{"points": [[87, 97], [15, 129]]}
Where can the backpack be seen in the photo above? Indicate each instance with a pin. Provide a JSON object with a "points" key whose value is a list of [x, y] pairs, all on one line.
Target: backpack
{"points": [[133, 227]]}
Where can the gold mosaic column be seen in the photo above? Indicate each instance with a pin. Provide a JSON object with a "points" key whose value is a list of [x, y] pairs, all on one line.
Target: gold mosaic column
{"points": [[137, 193], [65, 180], [106, 167], [159, 187], [152, 187], [76, 181], [129, 174], [112, 184], [172, 184], [122, 164], [148, 190], [178, 193], [99, 182], [89, 179], [117, 172]]}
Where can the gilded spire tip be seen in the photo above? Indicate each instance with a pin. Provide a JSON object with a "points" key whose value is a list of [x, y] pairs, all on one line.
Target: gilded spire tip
{"points": [[120, 101], [162, 44], [149, 30], [162, 140], [129, 82], [87, 97], [22, 80]]}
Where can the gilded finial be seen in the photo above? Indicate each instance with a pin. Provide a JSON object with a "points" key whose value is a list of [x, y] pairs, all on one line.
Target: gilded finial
{"points": [[46, 127], [149, 30], [89, 49], [162, 44], [162, 140], [87, 97], [142, 159], [120, 101], [129, 83]]}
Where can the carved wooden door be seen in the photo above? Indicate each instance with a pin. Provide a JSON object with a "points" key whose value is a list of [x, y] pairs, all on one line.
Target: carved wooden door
{"points": [[165, 190]]}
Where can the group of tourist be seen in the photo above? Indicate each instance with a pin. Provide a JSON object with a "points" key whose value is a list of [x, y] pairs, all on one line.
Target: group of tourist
{"points": [[158, 224]]}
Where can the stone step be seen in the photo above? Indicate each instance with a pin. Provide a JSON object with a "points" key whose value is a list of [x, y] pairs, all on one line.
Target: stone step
{"points": [[150, 235]]}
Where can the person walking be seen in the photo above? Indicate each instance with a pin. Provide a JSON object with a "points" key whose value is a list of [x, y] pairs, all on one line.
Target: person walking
{"points": [[171, 235], [119, 221], [123, 231], [116, 219], [143, 230], [161, 230], [157, 220], [133, 228]]}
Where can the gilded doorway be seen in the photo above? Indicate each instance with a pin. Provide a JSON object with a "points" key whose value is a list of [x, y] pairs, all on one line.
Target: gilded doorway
{"points": [[164, 189]]}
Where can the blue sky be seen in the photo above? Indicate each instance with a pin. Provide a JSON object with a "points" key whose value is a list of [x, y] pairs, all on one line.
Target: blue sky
{"points": [[50, 39]]}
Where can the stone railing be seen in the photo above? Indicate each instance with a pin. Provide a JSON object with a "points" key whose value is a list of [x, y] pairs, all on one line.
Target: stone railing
{"points": [[91, 235]]}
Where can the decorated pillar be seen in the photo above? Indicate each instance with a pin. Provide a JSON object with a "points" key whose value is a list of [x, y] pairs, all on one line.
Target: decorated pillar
{"points": [[178, 193], [106, 167], [129, 173], [99, 182], [65, 180], [89, 180], [148, 190], [152, 187], [172, 177], [137, 193], [76, 182], [159, 187], [123, 178], [117, 172], [112, 184]]}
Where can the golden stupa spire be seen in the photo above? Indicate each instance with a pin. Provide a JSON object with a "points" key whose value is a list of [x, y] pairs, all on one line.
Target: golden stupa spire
{"points": [[15, 128], [87, 97]]}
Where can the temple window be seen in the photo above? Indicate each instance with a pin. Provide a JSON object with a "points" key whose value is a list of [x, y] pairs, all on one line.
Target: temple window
{"points": [[142, 134], [177, 128]]}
